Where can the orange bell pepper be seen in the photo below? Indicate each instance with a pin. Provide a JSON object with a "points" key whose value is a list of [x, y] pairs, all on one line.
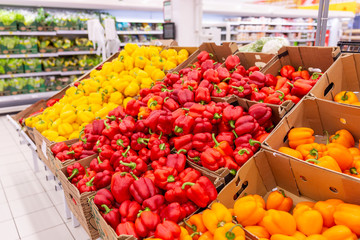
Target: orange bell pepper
{"points": [[326, 162], [308, 220], [279, 201], [184, 235], [327, 209], [279, 222], [316, 237], [282, 237], [339, 232], [346, 97], [299, 235], [258, 231], [206, 236], [311, 150], [291, 152], [230, 231], [348, 215], [354, 151], [298, 136], [341, 155], [195, 224], [343, 137], [249, 210], [305, 203], [217, 216]]}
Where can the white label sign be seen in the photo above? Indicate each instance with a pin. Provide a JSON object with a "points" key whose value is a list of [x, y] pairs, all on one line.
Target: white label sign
{"points": [[43, 148]]}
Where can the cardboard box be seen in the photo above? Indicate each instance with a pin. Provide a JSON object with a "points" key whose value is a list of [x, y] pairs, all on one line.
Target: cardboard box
{"points": [[302, 182], [321, 116], [306, 57], [78, 203], [343, 75]]}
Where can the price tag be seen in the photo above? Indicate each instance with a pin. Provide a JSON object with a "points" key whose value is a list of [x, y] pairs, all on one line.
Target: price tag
{"points": [[10, 33], [82, 72], [91, 51], [43, 148], [7, 55], [26, 55], [41, 54], [12, 75]]}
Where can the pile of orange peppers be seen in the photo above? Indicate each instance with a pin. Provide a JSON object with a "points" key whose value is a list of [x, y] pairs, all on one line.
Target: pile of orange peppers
{"points": [[339, 154], [324, 220]]}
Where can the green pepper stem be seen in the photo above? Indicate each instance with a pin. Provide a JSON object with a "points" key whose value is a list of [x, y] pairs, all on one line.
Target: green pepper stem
{"points": [[180, 151], [226, 79], [153, 104], [112, 118], [314, 152], [124, 154], [84, 140], [313, 161], [170, 178], [345, 97], [233, 172], [166, 99], [291, 85], [240, 89], [195, 159], [229, 234], [120, 142], [162, 146], [71, 152], [281, 97], [252, 142], [142, 141], [282, 193], [107, 209], [235, 134], [90, 183], [131, 165], [192, 227], [178, 129], [232, 123], [354, 171], [187, 184], [242, 151], [99, 161], [74, 172], [217, 116], [134, 176], [214, 139], [190, 88], [106, 125], [160, 136]]}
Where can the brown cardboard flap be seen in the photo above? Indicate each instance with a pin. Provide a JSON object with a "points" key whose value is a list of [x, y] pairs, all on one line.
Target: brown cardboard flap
{"points": [[249, 59]]}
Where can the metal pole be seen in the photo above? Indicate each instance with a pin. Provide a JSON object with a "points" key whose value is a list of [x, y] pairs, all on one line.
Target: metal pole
{"points": [[324, 22], [319, 22]]}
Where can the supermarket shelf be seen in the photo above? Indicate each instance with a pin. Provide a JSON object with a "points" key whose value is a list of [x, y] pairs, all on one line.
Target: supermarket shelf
{"points": [[248, 41], [273, 23], [13, 109], [140, 20], [68, 73], [140, 32], [302, 40], [138, 43], [75, 32], [75, 53], [35, 74], [22, 99], [37, 33], [33, 55], [273, 31]]}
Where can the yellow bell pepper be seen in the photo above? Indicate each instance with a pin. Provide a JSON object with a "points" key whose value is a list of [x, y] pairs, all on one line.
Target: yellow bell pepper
{"points": [[146, 82], [94, 107], [184, 235], [118, 66], [140, 61], [60, 139], [40, 125], [86, 116], [29, 122], [128, 63], [65, 129], [169, 65], [149, 69], [132, 90], [126, 100], [157, 75], [74, 135], [116, 97], [229, 231], [55, 124], [68, 116], [102, 113], [95, 98], [327, 209], [50, 134], [346, 97], [249, 210], [217, 216]]}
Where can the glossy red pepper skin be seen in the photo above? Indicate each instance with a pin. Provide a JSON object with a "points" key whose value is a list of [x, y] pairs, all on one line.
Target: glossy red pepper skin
{"points": [[194, 156], [206, 65], [111, 129], [203, 56], [292, 98], [98, 166], [202, 141], [132, 107], [103, 196], [86, 185], [246, 141], [287, 71], [283, 85], [212, 76], [170, 104], [223, 147], [133, 164], [176, 160], [230, 114], [202, 192], [183, 125], [189, 175], [111, 216], [271, 80], [213, 113], [212, 159], [220, 90], [76, 150], [228, 137], [175, 193], [59, 147], [120, 156], [267, 90], [159, 149], [275, 98], [102, 179], [261, 112], [165, 175], [196, 110], [242, 155], [223, 73], [171, 78], [189, 208], [300, 74], [159, 163], [120, 186], [139, 141], [240, 88], [232, 62], [145, 224], [155, 203], [129, 210], [184, 96], [183, 142], [142, 189], [202, 125], [127, 126], [120, 142], [194, 75], [75, 170], [118, 112], [257, 78], [246, 124], [257, 96], [160, 121], [126, 228], [173, 212], [168, 230], [202, 95], [63, 156], [301, 87], [231, 164]]}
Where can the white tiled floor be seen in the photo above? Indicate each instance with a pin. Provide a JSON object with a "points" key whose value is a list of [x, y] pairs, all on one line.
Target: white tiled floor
{"points": [[30, 208]]}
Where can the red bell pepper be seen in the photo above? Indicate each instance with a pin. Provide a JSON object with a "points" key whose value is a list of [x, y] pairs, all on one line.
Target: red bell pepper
{"points": [[176, 160], [126, 228], [170, 104], [160, 121], [223, 73], [202, 141], [142, 189], [175, 193], [121, 155], [103, 140], [261, 112], [202, 192], [246, 141], [207, 64], [257, 96], [120, 186], [300, 74], [240, 88], [59, 147], [98, 166], [223, 147], [257, 78], [231, 165], [139, 141], [111, 216], [231, 114], [51, 102], [203, 56], [194, 156], [287, 71], [220, 90], [145, 224], [212, 159], [226, 136], [213, 113], [74, 171], [156, 203], [103, 196], [144, 154], [183, 142], [183, 125], [275, 98], [106, 152], [111, 129], [184, 96], [301, 87], [168, 230], [202, 95], [292, 98], [120, 142], [63, 156], [172, 78], [159, 163], [270, 80], [127, 126], [189, 175], [202, 125], [173, 212], [267, 90], [159, 149], [283, 85], [246, 124], [144, 113], [129, 210], [102, 179], [133, 164], [316, 76], [86, 185], [251, 70], [154, 137], [164, 175], [76, 150], [211, 75], [232, 62], [194, 75], [118, 112], [184, 71], [189, 208], [132, 108], [196, 110]]}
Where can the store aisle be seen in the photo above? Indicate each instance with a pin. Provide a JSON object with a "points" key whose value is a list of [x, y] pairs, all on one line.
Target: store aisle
{"points": [[30, 207]]}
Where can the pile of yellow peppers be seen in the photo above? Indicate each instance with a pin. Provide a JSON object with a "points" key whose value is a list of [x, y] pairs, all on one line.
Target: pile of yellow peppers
{"points": [[347, 97], [324, 220], [339, 154], [115, 84]]}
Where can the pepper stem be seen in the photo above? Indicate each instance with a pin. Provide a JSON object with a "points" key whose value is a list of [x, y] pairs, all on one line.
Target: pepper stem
{"points": [[107, 209], [214, 139], [170, 178], [162, 146], [134, 176], [252, 142], [106, 125], [73, 173], [354, 171], [166, 99], [240, 89], [195, 159], [192, 227], [142, 141], [291, 85], [153, 104], [229, 234], [90, 183], [124, 154], [314, 152], [242, 151], [228, 78], [232, 123], [327, 136], [217, 116], [233, 172], [71, 152], [313, 161], [120, 142], [178, 129], [160, 136], [345, 97], [235, 134], [181, 150], [282, 193], [112, 118], [131, 165], [187, 184], [99, 161], [84, 140], [140, 211], [281, 97]]}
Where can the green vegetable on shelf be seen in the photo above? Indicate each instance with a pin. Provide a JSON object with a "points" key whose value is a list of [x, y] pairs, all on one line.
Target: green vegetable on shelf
{"points": [[49, 62], [10, 42], [67, 43], [7, 17]]}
